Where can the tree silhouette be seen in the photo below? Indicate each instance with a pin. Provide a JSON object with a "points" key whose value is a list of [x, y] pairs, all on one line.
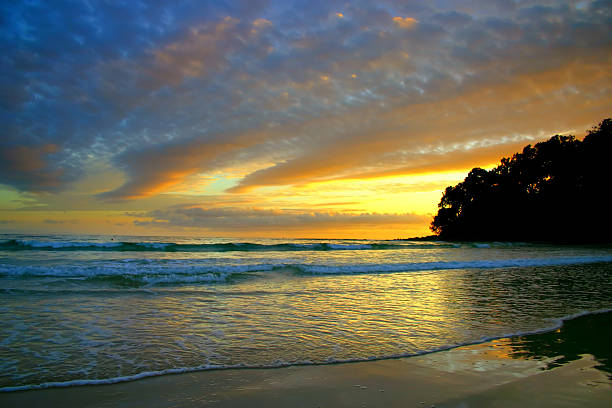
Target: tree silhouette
{"points": [[553, 191]]}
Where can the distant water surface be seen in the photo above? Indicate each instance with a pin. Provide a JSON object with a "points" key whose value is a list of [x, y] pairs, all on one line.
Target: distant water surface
{"points": [[96, 309]]}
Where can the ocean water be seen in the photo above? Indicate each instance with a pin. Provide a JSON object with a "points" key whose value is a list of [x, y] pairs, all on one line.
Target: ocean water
{"points": [[100, 309]]}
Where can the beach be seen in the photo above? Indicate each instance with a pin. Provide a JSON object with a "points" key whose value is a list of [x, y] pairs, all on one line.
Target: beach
{"points": [[501, 373], [465, 377], [305, 204]]}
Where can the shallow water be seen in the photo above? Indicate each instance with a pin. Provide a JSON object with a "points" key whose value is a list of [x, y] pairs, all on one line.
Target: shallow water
{"points": [[94, 309]]}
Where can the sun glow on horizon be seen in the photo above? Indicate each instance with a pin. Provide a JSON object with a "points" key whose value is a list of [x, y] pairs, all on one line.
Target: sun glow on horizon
{"points": [[344, 120], [362, 207]]}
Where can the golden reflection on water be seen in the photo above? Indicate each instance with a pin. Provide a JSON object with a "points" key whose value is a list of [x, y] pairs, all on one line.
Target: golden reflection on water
{"points": [[498, 348], [287, 317], [332, 312], [292, 316]]}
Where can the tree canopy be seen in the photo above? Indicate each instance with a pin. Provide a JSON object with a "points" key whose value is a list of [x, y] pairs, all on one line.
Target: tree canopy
{"points": [[557, 190]]}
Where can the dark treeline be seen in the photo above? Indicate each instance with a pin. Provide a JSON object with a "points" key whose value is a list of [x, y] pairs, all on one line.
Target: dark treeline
{"points": [[557, 191]]}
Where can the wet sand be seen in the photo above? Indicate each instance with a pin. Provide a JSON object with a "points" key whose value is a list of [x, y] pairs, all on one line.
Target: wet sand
{"points": [[569, 367], [471, 376]]}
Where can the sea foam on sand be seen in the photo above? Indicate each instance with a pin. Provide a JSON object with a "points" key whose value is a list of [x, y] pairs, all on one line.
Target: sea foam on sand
{"points": [[497, 373]]}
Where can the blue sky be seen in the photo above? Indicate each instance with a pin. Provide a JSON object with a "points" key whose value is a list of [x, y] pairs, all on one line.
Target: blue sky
{"points": [[145, 111]]}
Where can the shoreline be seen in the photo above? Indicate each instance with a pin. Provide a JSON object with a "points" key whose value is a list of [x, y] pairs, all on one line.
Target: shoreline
{"points": [[507, 370], [557, 324]]}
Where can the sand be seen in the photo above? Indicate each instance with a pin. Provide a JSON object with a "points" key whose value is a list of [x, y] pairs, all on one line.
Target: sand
{"points": [[483, 375]]}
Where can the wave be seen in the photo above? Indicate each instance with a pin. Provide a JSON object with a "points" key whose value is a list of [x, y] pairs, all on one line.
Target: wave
{"points": [[442, 265], [32, 245], [556, 324], [136, 273]]}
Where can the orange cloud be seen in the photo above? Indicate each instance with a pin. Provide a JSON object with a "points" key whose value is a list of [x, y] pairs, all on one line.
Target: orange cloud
{"points": [[197, 54], [404, 22], [445, 162], [156, 169], [387, 132], [475, 127]]}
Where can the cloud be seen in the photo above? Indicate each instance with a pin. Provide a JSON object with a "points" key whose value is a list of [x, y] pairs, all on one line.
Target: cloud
{"points": [[78, 78], [340, 162], [31, 168], [53, 221], [157, 168], [239, 219], [404, 22], [287, 97], [201, 52], [476, 127]]}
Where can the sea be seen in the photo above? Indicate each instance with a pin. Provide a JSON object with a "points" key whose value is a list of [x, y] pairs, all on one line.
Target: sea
{"points": [[83, 309]]}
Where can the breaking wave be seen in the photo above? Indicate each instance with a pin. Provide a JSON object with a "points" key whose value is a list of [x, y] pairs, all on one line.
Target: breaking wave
{"points": [[135, 273], [32, 245]]}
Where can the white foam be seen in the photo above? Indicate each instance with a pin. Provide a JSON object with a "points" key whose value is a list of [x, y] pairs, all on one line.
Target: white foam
{"points": [[164, 271], [192, 271], [66, 244], [481, 245], [442, 265], [349, 247], [154, 245]]}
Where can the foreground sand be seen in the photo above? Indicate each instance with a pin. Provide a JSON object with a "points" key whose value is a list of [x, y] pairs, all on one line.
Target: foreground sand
{"points": [[480, 375]]}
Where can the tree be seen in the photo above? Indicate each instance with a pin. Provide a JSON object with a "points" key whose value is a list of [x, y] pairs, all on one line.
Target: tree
{"points": [[552, 191]]}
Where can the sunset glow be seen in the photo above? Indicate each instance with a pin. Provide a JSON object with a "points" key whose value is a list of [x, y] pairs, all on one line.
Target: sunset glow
{"points": [[280, 119]]}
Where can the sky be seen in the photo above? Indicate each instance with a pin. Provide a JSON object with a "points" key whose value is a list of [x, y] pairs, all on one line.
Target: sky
{"points": [[314, 119]]}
